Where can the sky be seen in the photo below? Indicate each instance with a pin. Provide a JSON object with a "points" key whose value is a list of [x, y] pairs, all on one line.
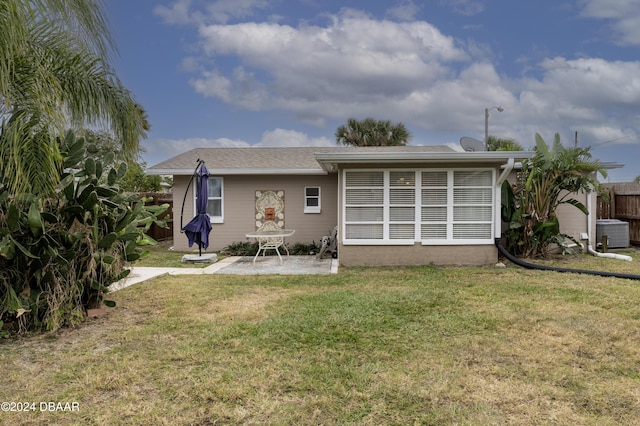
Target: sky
{"points": [[238, 73]]}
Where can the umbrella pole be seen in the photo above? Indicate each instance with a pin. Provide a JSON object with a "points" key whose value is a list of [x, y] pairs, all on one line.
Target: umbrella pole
{"points": [[184, 200]]}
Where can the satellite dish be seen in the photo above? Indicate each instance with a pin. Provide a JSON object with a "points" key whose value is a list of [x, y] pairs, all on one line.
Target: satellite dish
{"points": [[471, 144]]}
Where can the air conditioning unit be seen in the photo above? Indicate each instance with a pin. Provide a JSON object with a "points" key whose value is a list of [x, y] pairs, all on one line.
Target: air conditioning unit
{"points": [[616, 230]]}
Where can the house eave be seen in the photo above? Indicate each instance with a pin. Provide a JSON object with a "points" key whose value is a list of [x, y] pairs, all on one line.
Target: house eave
{"points": [[330, 160], [244, 172]]}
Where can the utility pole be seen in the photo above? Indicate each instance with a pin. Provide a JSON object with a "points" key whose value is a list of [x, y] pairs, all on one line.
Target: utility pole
{"points": [[575, 144]]}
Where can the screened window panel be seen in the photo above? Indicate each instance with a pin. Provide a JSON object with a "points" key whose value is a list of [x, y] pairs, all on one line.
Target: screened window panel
{"points": [[402, 196], [214, 208], [472, 178], [472, 196], [432, 197], [402, 214], [364, 179], [312, 191], [402, 179], [401, 231], [434, 178], [434, 214], [454, 205], [471, 231], [313, 202], [364, 231], [472, 214], [364, 214], [365, 196], [434, 232], [214, 197], [214, 188]]}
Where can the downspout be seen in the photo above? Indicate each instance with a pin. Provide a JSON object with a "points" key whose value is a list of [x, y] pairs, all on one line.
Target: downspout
{"points": [[497, 219]]}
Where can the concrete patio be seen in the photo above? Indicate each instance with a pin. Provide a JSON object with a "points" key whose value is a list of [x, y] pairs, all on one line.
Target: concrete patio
{"points": [[238, 265]]}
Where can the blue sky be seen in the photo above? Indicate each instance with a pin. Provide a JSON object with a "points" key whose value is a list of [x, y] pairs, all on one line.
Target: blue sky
{"points": [[289, 72]]}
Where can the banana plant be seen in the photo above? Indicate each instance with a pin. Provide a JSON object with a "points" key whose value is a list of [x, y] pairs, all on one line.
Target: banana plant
{"points": [[549, 179]]}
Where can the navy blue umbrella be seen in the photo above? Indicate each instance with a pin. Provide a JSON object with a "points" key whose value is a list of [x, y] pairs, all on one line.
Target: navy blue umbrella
{"points": [[199, 227]]}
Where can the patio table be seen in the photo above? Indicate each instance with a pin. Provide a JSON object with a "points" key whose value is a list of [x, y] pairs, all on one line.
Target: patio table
{"points": [[270, 240]]}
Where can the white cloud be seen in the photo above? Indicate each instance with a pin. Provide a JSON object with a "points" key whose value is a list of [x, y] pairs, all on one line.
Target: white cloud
{"points": [[282, 137], [352, 65], [591, 82], [406, 10], [200, 12], [177, 14], [157, 150], [224, 10], [359, 66], [624, 16], [465, 7]]}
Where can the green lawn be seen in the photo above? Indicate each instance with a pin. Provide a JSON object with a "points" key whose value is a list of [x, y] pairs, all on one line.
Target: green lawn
{"points": [[420, 345]]}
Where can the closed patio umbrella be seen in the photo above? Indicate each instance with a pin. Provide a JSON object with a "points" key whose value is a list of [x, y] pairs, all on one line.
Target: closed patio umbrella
{"points": [[198, 229]]}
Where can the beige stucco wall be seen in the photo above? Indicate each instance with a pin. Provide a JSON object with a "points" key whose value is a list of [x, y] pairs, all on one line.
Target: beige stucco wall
{"points": [[239, 208], [239, 218], [417, 254], [572, 221]]}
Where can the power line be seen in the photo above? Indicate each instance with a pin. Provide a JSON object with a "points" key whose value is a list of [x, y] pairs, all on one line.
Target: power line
{"points": [[612, 140]]}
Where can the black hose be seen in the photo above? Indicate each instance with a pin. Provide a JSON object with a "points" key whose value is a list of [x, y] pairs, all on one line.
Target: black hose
{"points": [[528, 265]]}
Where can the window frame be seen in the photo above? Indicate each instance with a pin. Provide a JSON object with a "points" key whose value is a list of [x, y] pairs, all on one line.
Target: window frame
{"points": [[312, 209], [212, 219], [417, 205]]}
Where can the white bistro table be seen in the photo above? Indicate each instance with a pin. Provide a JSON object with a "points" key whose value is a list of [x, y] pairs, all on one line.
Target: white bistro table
{"points": [[270, 240]]}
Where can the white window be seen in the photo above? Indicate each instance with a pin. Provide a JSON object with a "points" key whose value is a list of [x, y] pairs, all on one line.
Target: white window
{"points": [[312, 199], [431, 206], [457, 207], [215, 202]]}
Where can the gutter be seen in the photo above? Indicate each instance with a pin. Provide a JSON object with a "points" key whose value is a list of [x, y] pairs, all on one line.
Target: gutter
{"points": [[243, 172], [328, 160]]}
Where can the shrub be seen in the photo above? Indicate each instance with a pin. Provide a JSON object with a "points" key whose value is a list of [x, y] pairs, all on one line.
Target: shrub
{"points": [[59, 254], [245, 248], [241, 248], [303, 249]]}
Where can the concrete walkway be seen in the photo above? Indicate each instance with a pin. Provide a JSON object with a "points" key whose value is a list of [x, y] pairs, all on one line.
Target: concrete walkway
{"points": [[237, 265]]}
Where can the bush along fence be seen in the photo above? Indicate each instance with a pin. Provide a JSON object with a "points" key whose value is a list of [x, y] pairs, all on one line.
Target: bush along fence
{"points": [[60, 252]]}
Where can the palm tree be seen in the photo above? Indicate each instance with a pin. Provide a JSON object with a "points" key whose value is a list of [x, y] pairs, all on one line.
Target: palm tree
{"points": [[55, 75], [370, 132]]}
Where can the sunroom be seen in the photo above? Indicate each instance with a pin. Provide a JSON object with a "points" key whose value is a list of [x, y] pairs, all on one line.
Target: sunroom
{"points": [[416, 208]]}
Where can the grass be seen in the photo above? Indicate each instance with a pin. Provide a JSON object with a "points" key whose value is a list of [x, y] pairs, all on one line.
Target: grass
{"points": [[161, 256], [414, 345]]}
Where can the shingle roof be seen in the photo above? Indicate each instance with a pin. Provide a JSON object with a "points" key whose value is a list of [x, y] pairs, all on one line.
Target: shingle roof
{"points": [[280, 160]]}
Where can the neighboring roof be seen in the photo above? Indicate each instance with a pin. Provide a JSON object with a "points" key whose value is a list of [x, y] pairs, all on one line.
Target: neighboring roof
{"points": [[280, 160]]}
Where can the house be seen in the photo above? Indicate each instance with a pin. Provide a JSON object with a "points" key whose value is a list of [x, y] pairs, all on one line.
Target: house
{"points": [[410, 205]]}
